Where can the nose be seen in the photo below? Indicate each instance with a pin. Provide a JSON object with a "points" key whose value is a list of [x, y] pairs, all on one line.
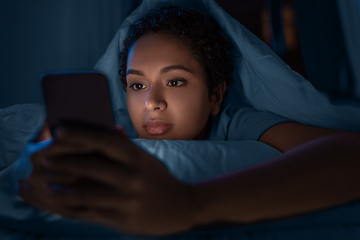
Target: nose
{"points": [[155, 100]]}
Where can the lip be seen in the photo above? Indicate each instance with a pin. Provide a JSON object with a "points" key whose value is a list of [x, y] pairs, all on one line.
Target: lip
{"points": [[156, 127]]}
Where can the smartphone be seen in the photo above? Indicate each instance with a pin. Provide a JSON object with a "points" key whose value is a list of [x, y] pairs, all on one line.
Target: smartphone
{"points": [[77, 99]]}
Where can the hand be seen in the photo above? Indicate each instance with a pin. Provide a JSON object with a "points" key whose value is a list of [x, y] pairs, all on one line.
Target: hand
{"points": [[102, 177]]}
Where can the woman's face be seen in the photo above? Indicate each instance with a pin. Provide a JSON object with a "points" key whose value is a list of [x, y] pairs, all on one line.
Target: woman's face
{"points": [[167, 94]]}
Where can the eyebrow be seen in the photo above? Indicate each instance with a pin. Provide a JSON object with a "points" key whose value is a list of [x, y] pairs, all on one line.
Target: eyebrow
{"points": [[135, 72], [162, 71], [175, 67]]}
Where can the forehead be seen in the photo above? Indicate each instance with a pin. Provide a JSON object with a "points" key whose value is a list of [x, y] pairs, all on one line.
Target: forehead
{"points": [[162, 49]]}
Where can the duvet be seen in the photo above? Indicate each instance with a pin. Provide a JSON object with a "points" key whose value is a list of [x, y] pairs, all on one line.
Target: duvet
{"points": [[262, 82]]}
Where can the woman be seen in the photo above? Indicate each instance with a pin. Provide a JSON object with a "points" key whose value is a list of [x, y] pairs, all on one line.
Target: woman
{"points": [[103, 177]]}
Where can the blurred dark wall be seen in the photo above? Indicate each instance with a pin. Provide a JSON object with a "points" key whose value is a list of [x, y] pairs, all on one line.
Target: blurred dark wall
{"points": [[323, 46], [255, 16], [315, 41], [41, 36]]}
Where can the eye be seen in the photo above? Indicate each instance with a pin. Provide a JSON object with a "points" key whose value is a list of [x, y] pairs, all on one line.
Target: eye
{"points": [[137, 86], [176, 82]]}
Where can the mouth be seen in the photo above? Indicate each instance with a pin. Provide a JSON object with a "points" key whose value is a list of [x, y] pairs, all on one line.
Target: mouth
{"points": [[156, 127]]}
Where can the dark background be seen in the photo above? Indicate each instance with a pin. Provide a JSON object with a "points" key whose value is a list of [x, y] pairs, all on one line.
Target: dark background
{"points": [[43, 36]]}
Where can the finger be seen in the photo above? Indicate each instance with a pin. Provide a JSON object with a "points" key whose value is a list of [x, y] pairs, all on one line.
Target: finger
{"points": [[44, 200], [110, 143], [59, 178], [81, 213], [121, 130], [92, 166], [97, 206], [88, 194], [90, 215], [55, 149], [37, 182], [44, 133], [36, 198], [111, 218], [121, 221]]}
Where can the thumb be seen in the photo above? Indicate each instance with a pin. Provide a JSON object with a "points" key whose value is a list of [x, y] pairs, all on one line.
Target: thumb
{"points": [[44, 133]]}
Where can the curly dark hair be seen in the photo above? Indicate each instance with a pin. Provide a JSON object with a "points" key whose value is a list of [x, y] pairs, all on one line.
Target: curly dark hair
{"points": [[200, 34]]}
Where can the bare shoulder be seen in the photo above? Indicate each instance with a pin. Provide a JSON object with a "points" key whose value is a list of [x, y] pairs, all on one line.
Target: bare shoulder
{"points": [[285, 136]]}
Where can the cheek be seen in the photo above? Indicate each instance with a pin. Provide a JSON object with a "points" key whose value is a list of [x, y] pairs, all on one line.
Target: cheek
{"points": [[192, 111], [135, 106], [197, 102]]}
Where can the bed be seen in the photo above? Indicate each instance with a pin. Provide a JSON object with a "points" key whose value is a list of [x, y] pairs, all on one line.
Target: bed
{"points": [[262, 82]]}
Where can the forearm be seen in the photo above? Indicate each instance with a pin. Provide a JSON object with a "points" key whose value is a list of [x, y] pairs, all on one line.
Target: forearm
{"points": [[316, 175]]}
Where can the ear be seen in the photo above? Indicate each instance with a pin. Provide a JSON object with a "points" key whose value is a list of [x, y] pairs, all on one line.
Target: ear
{"points": [[217, 98]]}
